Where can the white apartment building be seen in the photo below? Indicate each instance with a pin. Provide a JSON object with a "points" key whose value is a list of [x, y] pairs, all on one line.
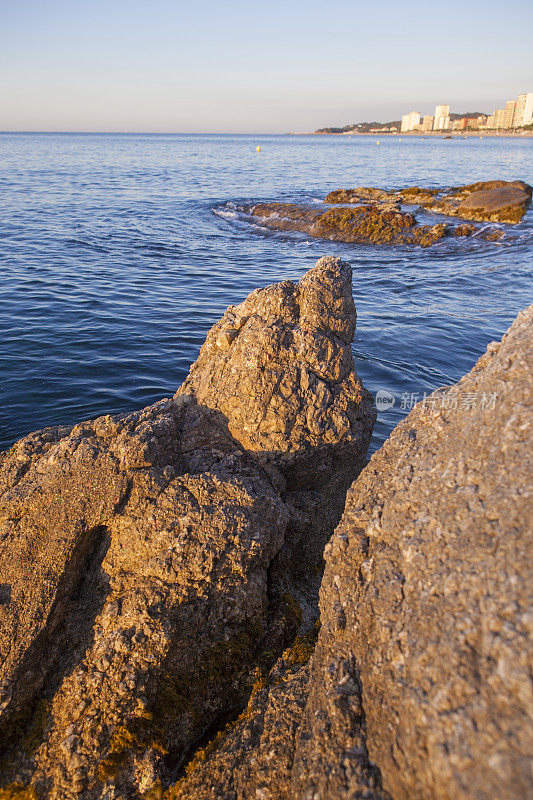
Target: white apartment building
{"points": [[410, 121], [509, 113], [499, 118], [523, 111], [442, 118], [427, 123]]}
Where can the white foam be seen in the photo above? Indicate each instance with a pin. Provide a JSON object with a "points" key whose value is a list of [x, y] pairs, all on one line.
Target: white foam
{"points": [[220, 212]]}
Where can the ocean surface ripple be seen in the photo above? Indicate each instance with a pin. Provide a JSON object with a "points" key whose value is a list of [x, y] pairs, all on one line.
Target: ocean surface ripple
{"points": [[120, 251]]}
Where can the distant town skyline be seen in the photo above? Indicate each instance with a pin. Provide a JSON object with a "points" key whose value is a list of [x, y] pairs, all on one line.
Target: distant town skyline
{"points": [[514, 114], [125, 65]]}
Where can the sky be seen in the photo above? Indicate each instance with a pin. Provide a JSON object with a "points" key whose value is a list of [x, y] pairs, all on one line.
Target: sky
{"points": [[218, 66]]}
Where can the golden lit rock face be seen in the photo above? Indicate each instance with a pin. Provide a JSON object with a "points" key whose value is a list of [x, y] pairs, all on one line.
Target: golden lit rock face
{"points": [[419, 685], [286, 385], [160, 569], [505, 204], [425, 598], [150, 560]]}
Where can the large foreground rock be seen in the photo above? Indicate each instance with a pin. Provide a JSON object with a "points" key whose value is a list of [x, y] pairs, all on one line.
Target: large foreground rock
{"points": [[426, 599], [419, 687], [151, 562]]}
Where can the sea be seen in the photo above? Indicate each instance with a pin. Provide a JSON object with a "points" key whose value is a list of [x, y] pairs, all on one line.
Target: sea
{"points": [[119, 252]]}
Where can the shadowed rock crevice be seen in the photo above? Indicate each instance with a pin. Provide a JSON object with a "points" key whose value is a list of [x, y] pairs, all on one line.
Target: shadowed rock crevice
{"points": [[80, 595]]}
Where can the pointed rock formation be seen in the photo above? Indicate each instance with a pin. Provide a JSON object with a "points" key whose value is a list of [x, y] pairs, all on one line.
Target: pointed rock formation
{"points": [[146, 557]]}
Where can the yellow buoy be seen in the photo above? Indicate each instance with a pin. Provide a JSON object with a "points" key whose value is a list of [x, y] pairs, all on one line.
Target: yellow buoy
{"points": [[258, 149], [377, 141]]}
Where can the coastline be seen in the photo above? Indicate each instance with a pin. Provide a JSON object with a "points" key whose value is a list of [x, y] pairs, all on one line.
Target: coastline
{"points": [[427, 135]]}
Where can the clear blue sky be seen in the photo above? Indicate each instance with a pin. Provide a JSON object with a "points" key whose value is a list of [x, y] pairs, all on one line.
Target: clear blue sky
{"points": [[201, 65]]}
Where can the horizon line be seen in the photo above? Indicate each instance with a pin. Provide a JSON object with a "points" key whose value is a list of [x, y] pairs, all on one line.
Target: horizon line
{"points": [[159, 133]]}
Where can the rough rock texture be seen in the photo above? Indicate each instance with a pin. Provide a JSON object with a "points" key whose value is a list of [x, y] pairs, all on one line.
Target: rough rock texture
{"points": [[146, 557], [492, 201], [419, 687], [366, 224], [364, 195], [253, 756], [427, 595], [507, 204], [278, 371]]}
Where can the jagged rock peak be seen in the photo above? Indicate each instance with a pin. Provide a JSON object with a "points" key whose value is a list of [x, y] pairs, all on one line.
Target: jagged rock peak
{"points": [[279, 371]]}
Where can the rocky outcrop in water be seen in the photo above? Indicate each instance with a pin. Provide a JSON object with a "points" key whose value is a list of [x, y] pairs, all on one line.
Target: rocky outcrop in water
{"points": [[147, 558], [496, 204], [371, 216], [154, 566], [485, 201], [366, 224], [419, 684]]}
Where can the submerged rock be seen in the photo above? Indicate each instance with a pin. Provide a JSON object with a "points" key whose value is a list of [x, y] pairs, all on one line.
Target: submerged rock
{"points": [[147, 557], [419, 684]]}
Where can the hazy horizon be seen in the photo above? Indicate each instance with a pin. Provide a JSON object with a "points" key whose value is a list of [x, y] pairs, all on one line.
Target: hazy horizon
{"points": [[123, 67]]}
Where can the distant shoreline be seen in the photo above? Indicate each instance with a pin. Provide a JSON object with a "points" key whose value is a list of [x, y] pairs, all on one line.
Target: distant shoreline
{"points": [[431, 134]]}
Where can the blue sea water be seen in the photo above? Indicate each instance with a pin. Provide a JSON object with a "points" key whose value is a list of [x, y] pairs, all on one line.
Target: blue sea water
{"points": [[118, 252]]}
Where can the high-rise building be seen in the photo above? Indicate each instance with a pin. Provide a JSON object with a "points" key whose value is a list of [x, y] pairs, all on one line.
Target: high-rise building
{"points": [[523, 111], [490, 121], [509, 113], [442, 118], [410, 121], [499, 118], [427, 123]]}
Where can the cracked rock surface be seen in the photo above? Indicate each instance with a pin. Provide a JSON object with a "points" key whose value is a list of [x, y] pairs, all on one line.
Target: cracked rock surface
{"points": [[419, 686], [148, 558], [427, 595]]}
